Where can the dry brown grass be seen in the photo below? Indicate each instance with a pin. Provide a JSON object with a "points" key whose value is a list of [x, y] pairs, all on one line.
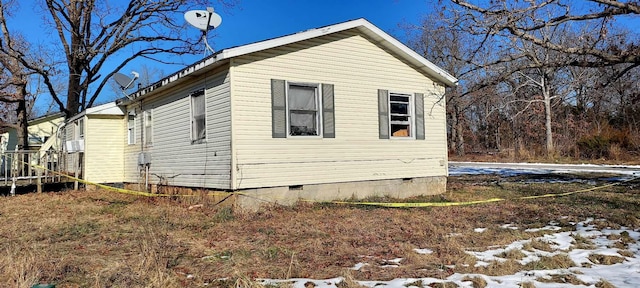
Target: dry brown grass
{"points": [[512, 254], [476, 282], [559, 261], [604, 284], [102, 239], [563, 278], [527, 285], [605, 259]]}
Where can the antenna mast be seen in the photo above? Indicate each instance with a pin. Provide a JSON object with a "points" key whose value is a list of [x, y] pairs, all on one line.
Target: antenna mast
{"points": [[204, 20]]}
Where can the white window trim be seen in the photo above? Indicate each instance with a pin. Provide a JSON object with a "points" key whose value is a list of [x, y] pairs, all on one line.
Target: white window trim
{"points": [[319, 105], [411, 113], [131, 129], [148, 139], [191, 116], [81, 128]]}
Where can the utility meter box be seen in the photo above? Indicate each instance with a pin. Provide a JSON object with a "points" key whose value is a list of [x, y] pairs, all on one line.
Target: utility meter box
{"points": [[144, 158]]}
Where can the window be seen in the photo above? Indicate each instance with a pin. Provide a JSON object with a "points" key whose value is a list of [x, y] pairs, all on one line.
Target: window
{"points": [[302, 104], [148, 127], [198, 119], [302, 109], [400, 115], [131, 129], [400, 118], [80, 128]]}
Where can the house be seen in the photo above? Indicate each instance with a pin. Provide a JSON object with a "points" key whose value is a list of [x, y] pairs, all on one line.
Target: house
{"points": [[40, 129], [331, 113], [41, 136], [97, 132]]}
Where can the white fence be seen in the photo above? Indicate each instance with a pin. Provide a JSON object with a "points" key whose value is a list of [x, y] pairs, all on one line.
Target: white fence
{"points": [[39, 166]]}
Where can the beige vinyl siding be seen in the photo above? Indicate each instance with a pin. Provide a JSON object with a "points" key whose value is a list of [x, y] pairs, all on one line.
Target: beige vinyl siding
{"points": [[173, 155], [46, 128], [103, 149], [131, 173], [358, 68]]}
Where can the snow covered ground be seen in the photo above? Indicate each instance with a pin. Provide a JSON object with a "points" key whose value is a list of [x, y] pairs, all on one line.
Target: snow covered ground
{"points": [[515, 169], [601, 243]]}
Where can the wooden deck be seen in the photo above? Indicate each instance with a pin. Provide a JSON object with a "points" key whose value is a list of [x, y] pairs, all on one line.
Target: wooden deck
{"points": [[39, 167]]}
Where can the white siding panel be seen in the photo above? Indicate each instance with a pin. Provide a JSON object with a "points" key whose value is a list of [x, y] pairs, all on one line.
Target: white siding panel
{"points": [[358, 68], [131, 173], [104, 146], [173, 156]]}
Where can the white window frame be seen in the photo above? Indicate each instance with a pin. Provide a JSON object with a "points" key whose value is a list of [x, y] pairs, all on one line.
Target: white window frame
{"points": [[318, 98], [410, 114], [80, 124], [131, 129], [193, 96], [148, 127]]}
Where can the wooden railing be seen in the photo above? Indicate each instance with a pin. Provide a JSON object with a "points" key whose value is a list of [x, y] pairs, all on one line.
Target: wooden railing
{"points": [[35, 167]]}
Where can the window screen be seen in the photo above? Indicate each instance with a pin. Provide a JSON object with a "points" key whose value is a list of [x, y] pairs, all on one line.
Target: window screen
{"points": [[131, 132], [198, 121], [303, 110], [148, 127], [400, 115]]}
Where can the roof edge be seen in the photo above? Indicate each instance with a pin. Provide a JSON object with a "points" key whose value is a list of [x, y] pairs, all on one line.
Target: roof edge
{"points": [[365, 26]]}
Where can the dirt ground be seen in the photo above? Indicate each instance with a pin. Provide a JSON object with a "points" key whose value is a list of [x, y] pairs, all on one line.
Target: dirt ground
{"points": [[105, 239]]}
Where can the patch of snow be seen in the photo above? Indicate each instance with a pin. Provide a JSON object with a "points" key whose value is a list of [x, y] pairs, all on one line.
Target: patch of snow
{"points": [[479, 230], [550, 228], [559, 241], [625, 274], [509, 226], [423, 251], [358, 266]]}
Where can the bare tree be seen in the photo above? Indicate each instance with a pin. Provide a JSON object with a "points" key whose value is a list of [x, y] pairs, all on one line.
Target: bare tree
{"points": [[13, 79], [532, 43], [450, 48], [504, 18], [93, 32]]}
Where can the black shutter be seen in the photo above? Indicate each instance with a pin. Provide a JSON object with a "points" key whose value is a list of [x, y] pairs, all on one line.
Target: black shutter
{"points": [[419, 103], [278, 109], [383, 113], [328, 117]]}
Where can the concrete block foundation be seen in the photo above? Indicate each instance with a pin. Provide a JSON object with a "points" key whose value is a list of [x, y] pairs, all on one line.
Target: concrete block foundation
{"points": [[252, 199]]}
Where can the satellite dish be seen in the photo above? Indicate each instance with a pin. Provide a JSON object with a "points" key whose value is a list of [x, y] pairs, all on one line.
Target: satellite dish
{"points": [[125, 82], [204, 20]]}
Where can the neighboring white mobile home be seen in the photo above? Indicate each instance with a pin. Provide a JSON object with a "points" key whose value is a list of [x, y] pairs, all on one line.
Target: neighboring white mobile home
{"points": [[330, 113], [98, 133], [41, 130]]}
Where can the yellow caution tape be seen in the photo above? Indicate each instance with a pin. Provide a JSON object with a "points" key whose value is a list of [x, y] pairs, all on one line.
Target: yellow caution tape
{"points": [[417, 204], [574, 192], [122, 190], [445, 204], [381, 204]]}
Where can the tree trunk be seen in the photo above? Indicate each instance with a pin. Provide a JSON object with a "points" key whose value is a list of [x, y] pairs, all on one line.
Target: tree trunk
{"points": [[547, 117], [451, 142], [459, 134], [73, 94], [22, 133]]}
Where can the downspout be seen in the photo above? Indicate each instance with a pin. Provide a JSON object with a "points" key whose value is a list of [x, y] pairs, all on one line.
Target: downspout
{"points": [[142, 141]]}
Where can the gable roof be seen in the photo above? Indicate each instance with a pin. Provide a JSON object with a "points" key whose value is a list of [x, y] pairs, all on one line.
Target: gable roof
{"points": [[362, 25], [45, 118], [109, 108]]}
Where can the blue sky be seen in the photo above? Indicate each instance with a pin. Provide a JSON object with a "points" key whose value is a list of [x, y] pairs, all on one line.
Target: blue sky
{"points": [[255, 20]]}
